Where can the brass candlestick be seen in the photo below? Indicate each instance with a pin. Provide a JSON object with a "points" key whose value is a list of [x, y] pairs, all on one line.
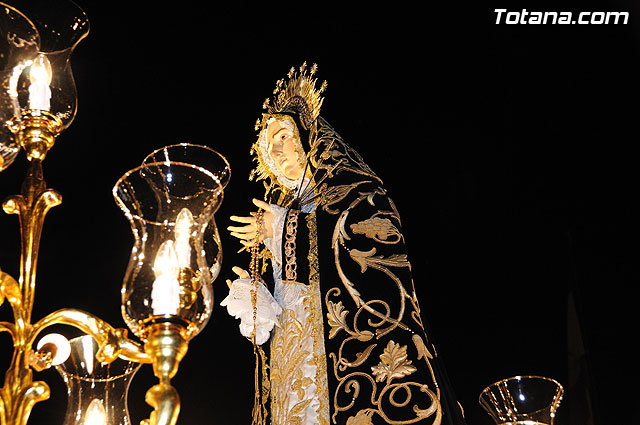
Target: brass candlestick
{"points": [[165, 336], [170, 201]]}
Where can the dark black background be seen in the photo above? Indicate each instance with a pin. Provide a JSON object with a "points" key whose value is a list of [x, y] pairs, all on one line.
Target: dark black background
{"points": [[508, 149]]}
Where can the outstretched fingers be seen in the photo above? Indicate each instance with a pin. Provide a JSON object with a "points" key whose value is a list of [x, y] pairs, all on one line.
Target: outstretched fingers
{"points": [[244, 233], [241, 219], [242, 273], [261, 204], [247, 234]]}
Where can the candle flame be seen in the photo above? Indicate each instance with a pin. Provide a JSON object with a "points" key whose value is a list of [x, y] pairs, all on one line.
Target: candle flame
{"points": [[40, 72], [172, 256], [165, 293], [96, 413], [40, 78], [184, 222]]}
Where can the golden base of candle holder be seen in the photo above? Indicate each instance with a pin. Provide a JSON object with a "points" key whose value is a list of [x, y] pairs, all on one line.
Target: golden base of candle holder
{"points": [[36, 132]]}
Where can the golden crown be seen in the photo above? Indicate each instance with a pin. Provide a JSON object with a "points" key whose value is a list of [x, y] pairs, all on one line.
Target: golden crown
{"points": [[297, 93]]}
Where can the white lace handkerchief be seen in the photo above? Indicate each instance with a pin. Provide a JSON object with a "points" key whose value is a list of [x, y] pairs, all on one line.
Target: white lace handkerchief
{"points": [[238, 304]]}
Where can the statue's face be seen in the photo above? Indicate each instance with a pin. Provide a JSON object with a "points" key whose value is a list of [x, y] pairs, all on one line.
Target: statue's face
{"points": [[281, 148]]}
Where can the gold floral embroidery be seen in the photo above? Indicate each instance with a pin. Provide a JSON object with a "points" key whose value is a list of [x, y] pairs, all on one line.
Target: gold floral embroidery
{"points": [[287, 360], [393, 363], [392, 387], [363, 417], [378, 229], [335, 194], [340, 237], [300, 383], [367, 259], [293, 394], [423, 351], [338, 156], [315, 317], [336, 318]]}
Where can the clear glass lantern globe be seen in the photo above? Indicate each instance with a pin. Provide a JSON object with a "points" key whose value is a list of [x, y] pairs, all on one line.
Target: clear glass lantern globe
{"points": [[96, 392], [522, 400], [19, 42], [199, 155], [177, 252], [38, 88]]}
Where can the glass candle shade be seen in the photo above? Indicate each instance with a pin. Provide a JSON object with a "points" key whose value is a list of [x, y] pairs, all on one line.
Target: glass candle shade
{"points": [[201, 157], [198, 155], [19, 42], [522, 400], [96, 392], [39, 92], [177, 252]]}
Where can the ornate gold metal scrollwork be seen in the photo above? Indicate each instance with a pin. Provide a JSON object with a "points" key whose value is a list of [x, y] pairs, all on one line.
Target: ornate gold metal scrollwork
{"points": [[165, 345], [20, 393]]}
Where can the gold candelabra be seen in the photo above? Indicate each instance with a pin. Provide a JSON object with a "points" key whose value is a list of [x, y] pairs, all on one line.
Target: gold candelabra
{"points": [[167, 291]]}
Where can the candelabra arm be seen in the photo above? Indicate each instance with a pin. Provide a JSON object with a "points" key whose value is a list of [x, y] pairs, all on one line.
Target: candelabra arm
{"points": [[112, 342], [19, 393], [31, 207], [7, 327], [166, 345], [36, 392], [166, 404], [9, 289]]}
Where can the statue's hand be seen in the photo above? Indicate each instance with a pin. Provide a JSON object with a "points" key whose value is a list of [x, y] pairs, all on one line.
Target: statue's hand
{"points": [[253, 304], [247, 234], [242, 274]]}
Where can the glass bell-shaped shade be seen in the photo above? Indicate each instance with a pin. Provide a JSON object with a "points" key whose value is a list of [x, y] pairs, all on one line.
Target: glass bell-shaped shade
{"points": [[177, 251], [39, 81], [522, 400], [96, 392], [19, 43], [201, 156]]}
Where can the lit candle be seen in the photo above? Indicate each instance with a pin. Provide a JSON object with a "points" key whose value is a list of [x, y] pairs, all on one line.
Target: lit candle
{"points": [[40, 78], [184, 222], [96, 414], [165, 293], [172, 256]]}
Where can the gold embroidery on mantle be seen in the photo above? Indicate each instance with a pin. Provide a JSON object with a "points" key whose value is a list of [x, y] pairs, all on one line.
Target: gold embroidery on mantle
{"points": [[388, 388], [393, 363], [379, 229]]}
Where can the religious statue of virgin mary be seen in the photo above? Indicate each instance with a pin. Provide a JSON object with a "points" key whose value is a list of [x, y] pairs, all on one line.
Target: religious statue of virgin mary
{"points": [[347, 340]]}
